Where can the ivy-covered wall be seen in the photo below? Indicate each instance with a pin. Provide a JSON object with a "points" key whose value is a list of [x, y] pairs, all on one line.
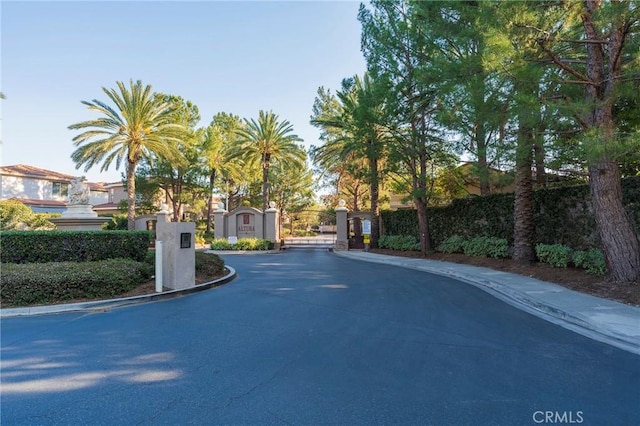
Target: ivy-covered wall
{"points": [[562, 216]]}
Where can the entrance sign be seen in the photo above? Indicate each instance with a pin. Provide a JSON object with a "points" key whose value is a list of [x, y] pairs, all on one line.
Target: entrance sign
{"points": [[247, 222], [246, 225]]}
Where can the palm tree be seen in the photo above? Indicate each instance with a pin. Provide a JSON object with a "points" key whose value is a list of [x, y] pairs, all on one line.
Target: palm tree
{"points": [[356, 130], [267, 138], [140, 126], [215, 145]]}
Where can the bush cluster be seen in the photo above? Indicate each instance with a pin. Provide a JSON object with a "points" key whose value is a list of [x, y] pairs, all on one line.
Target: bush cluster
{"points": [[118, 222], [561, 256], [15, 215], [399, 242], [45, 283], [557, 255], [486, 247], [73, 246], [592, 260], [209, 264], [453, 244], [242, 244]]}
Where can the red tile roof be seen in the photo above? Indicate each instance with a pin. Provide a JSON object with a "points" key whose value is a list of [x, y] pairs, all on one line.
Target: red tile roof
{"points": [[24, 170], [31, 171]]}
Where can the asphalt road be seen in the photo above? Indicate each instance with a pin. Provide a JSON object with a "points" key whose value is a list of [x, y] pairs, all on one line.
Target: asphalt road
{"points": [[309, 338]]}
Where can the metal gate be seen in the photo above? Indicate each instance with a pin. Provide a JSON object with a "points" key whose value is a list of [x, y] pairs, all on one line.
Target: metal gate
{"points": [[325, 237]]}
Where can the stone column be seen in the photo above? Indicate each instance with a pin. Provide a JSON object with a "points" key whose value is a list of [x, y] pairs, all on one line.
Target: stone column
{"points": [[342, 228], [178, 253], [219, 222], [271, 228]]}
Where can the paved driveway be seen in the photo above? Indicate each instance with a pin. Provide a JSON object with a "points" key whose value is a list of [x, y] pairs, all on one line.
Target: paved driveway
{"points": [[306, 337]]}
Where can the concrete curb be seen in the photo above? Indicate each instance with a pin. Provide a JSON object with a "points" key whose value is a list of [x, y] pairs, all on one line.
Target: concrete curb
{"points": [[610, 332], [103, 305]]}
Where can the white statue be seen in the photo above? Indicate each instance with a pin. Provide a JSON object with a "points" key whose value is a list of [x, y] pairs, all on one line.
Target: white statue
{"points": [[79, 191]]}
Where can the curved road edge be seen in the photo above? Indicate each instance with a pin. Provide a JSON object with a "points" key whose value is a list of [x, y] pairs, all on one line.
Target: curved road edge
{"points": [[599, 319], [102, 305]]}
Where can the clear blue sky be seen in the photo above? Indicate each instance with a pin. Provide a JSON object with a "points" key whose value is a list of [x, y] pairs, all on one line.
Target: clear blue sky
{"points": [[237, 57]]}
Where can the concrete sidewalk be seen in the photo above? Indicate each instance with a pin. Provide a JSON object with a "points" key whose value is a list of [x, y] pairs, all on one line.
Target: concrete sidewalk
{"points": [[604, 320]]}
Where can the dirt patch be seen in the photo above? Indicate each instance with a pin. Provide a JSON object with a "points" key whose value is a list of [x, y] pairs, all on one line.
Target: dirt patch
{"points": [[572, 278]]}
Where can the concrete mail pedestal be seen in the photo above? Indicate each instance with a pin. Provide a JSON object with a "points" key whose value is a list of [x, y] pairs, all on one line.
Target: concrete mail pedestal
{"points": [[178, 251]]}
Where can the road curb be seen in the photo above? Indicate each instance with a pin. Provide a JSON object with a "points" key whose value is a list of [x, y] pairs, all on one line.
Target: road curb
{"points": [[103, 305]]}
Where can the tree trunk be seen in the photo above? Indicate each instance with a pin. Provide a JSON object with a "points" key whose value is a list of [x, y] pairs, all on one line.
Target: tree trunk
{"points": [[620, 242], [523, 221], [483, 169], [423, 226], [541, 174], [265, 181], [524, 225], [176, 204], [375, 194], [212, 178], [131, 196], [419, 183]]}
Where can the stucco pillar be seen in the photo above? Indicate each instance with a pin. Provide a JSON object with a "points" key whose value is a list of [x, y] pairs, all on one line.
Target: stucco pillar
{"points": [[178, 251], [271, 228], [342, 228], [219, 226]]}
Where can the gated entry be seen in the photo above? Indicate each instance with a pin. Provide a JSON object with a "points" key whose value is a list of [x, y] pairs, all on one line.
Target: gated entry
{"points": [[321, 222]]}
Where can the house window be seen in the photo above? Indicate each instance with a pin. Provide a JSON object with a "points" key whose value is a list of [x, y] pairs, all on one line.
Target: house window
{"points": [[60, 189]]}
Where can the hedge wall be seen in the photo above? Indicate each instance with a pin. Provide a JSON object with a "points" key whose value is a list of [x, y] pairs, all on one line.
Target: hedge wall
{"points": [[562, 216], [46, 283], [73, 246]]}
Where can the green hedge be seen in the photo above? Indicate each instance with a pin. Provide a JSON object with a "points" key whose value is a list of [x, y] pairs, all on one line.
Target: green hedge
{"points": [[44, 283], [73, 246], [209, 264], [242, 244], [562, 216]]}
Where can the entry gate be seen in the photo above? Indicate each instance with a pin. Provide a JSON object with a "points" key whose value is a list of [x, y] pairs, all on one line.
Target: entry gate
{"points": [[326, 231], [317, 242]]}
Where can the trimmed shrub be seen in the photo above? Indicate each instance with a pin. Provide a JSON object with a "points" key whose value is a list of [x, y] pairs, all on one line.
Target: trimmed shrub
{"points": [[486, 247], [453, 244], [15, 215], [399, 242], [557, 255], [221, 244], [118, 222], [43, 283], [242, 244], [591, 260], [209, 264], [73, 246], [253, 244]]}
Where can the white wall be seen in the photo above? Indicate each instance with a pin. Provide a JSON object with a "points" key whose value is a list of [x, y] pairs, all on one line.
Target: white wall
{"points": [[21, 187]]}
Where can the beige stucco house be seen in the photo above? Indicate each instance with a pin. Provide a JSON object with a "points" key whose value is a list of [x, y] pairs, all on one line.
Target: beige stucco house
{"points": [[47, 191]]}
